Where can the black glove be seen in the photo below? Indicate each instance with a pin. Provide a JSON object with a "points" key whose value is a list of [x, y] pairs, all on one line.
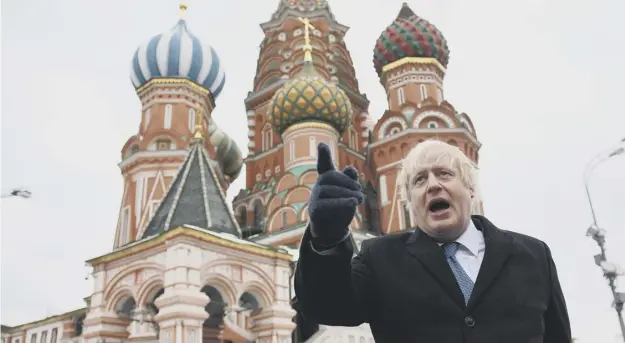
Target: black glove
{"points": [[333, 201]]}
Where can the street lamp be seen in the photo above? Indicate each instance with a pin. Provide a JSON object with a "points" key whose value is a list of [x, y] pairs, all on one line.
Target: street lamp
{"points": [[610, 270], [18, 192]]}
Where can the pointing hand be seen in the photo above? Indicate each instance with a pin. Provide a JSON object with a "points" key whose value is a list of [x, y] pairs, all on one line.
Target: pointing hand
{"points": [[334, 199]]}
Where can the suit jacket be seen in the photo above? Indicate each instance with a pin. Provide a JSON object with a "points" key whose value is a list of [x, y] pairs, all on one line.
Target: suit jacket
{"points": [[403, 287]]}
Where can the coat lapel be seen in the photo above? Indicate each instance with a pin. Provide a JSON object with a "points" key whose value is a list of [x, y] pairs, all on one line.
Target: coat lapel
{"points": [[498, 245], [427, 251]]}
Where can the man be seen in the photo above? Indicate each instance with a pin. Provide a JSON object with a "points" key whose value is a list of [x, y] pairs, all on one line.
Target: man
{"points": [[457, 278]]}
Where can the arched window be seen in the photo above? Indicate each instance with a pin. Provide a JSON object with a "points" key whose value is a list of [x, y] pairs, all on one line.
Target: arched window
{"points": [[424, 92], [152, 309], [353, 142], [191, 119], [79, 324], [163, 144], [126, 307], [250, 303], [146, 120], [216, 309], [292, 151], [124, 226], [259, 212], [168, 114], [383, 190], [401, 97], [313, 147], [267, 138], [284, 219]]}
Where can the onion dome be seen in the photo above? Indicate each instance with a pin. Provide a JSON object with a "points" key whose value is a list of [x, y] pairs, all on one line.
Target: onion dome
{"points": [[309, 97], [409, 36], [177, 53]]}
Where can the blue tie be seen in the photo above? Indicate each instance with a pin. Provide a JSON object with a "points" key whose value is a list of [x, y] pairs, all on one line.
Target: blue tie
{"points": [[464, 281]]}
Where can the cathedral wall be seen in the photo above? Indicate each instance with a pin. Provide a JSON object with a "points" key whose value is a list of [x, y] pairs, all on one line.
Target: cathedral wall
{"points": [[181, 268], [234, 270], [144, 188], [301, 142], [49, 333]]}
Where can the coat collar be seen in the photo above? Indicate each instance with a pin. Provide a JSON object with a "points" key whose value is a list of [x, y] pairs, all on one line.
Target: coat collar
{"points": [[428, 252]]}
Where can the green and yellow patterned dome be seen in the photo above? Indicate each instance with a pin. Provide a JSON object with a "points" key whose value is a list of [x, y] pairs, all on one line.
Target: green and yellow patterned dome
{"points": [[309, 97]]}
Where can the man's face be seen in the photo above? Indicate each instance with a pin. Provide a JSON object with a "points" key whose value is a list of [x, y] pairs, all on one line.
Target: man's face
{"points": [[441, 201]]}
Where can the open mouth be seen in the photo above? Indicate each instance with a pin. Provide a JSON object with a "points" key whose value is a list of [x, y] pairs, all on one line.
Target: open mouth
{"points": [[438, 205]]}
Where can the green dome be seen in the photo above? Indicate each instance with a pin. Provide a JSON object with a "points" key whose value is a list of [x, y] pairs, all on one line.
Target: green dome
{"points": [[409, 36], [309, 97]]}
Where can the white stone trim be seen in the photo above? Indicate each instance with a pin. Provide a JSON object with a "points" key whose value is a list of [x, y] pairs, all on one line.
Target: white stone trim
{"points": [[388, 122], [436, 114], [428, 131], [160, 153]]}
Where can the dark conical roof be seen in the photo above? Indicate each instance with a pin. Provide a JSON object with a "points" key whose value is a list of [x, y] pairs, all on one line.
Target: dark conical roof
{"points": [[195, 197]]}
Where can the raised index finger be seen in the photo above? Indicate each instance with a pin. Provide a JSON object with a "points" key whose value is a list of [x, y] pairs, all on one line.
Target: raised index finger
{"points": [[324, 159]]}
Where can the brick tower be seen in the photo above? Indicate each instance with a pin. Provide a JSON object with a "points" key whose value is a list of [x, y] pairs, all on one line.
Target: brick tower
{"points": [[411, 57], [171, 84], [305, 92]]}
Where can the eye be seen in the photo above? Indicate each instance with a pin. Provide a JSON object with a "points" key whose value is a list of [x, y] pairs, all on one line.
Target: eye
{"points": [[446, 173], [418, 180]]}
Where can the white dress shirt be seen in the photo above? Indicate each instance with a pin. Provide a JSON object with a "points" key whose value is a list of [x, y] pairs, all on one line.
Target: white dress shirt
{"points": [[471, 250]]}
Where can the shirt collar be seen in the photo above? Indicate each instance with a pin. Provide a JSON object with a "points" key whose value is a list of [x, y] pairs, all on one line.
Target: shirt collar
{"points": [[472, 239]]}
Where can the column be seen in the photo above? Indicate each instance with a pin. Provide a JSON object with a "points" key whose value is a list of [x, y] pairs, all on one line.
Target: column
{"points": [[275, 323], [100, 324], [143, 324], [181, 307]]}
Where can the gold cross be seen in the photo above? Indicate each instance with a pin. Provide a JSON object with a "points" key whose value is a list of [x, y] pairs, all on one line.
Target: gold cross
{"points": [[183, 9], [307, 27], [199, 120], [307, 46]]}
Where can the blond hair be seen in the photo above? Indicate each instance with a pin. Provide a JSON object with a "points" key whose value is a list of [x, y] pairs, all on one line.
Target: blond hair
{"points": [[434, 151]]}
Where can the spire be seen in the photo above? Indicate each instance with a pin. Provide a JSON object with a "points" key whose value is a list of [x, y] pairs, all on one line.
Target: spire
{"points": [[183, 9], [405, 12], [195, 197]]}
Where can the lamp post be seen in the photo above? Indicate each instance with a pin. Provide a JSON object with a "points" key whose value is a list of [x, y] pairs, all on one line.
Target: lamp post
{"points": [[18, 192], [610, 270]]}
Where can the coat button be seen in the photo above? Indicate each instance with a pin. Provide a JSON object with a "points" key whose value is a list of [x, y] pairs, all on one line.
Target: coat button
{"points": [[469, 321]]}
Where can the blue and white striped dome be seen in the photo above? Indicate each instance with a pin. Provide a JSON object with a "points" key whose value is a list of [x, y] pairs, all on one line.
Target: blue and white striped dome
{"points": [[178, 54]]}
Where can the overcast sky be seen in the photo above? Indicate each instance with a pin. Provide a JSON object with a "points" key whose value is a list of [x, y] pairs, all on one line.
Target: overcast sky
{"points": [[541, 79]]}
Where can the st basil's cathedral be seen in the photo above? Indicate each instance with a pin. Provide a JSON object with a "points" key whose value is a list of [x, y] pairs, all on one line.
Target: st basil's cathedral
{"points": [[187, 267]]}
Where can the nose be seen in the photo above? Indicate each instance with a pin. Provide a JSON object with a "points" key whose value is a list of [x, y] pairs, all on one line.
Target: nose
{"points": [[433, 185]]}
